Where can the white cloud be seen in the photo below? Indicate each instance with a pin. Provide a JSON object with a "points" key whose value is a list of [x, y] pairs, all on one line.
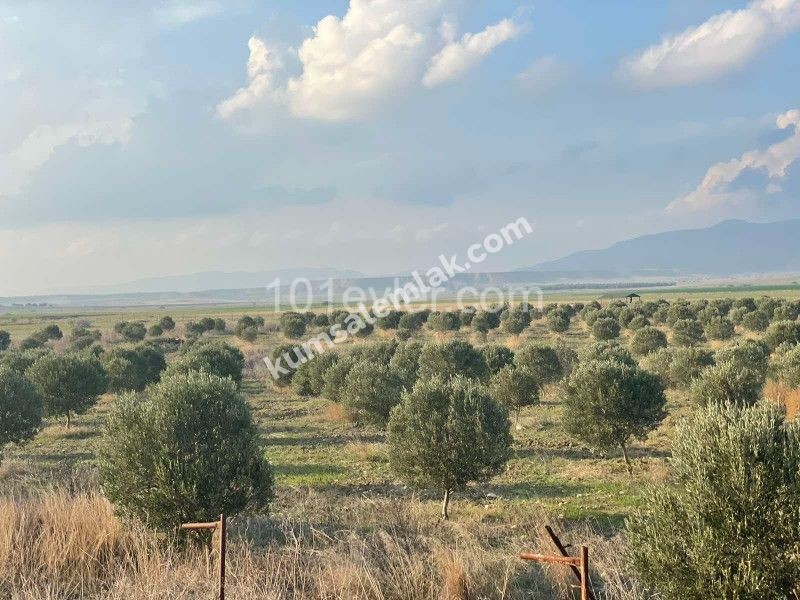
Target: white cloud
{"points": [[457, 57], [352, 65], [182, 12], [543, 74], [719, 45], [715, 189]]}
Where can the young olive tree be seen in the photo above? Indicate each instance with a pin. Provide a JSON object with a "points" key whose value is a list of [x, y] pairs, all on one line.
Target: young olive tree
{"points": [[729, 527], [608, 404], [727, 383], [187, 451], [451, 359], [514, 388], [445, 434], [69, 383], [213, 357], [497, 356], [541, 361], [647, 340], [606, 328], [688, 332], [370, 391], [132, 369], [20, 408]]}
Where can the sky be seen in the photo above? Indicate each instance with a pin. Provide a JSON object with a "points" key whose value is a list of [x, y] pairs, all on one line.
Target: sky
{"points": [[148, 138]]}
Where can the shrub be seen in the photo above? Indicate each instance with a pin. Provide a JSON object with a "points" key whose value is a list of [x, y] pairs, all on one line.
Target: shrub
{"points": [[309, 378], [451, 359], [678, 367], [782, 331], [466, 315], [567, 358], [21, 360], [786, 366], [20, 408], [688, 332], [680, 311], [516, 321], [541, 361], [727, 383], [444, 321], [215, 358], [186, 452], [411, 321], [69, 383], [293, 325], [249, 334], [370, 391], [756, 320], [31, 343], [608, 403], [608, 350], [167, 323], [605, 329], [5, 340], [638, 322], [750, 354], [514, 388], [335, 377], [321, 320], [647, 340], [132, 332], [720, 328], [132, 369], [729, 527], [220, 326], [377, 352], [446, 434], [51, 332], [391, 320], [496, 356], [155, 331], [405, 362], [558, 320], [485, 320]]}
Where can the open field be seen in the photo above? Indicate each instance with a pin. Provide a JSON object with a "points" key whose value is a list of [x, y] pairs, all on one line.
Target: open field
{"points": [[337, 500]]}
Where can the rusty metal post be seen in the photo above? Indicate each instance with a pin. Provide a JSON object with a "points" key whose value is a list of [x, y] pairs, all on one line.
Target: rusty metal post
{"points": [[584, 573], [222, 536]]}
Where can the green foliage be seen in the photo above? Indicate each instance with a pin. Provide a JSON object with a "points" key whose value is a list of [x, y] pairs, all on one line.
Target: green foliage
{"points": [[720, 328], [605, 329], [782, 331], [786, 366], [446, 434], [167, 323], [377, 352], [212, 357], [131, 331], [497, 356], [485, 320], [309, 378], [21, 360], [30, 343], [444, 321], [451, 359], [558, 320], [679, 311], [370, 391], [608, 403], [132, 369], [411, 321], [155, 331], [756, 321], [220, 326], [688, 332], [5, 340], [516, 321], [678, 367], [609, 350], [727, 383], [514, 388], [638, 322], [321, 320], [647, 340], [391, 320], [335, 377], [567, 358], [186, 452], [69, 383], [293, 325], [730, 526], [405, 362], [749, 354], [20, 408], [541, 361]]}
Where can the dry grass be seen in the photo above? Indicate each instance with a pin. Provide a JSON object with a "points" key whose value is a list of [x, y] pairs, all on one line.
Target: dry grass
{"points": [[57, 546], [788, 397]]}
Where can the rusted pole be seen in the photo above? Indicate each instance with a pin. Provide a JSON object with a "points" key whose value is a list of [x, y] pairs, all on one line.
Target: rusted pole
{"points": [[563, 549], [222, 536], [585, 573]]}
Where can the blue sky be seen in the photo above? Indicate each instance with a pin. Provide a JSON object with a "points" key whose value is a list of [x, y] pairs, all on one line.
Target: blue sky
{"points": [[157, 138]]}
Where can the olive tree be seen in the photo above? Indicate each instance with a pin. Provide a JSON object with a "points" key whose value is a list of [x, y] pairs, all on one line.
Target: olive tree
{"points": [[727, 383], [450, 359], [729, 526], [678, 367], [516, 321], [213, 357], [647, 340], [445, 434], [497, 356], [405, 362], [688, 332], [541, 361], [608, 350], [720, 328], [514, 388], [187, 451], [293, 325], [786, 366], [309, 378], [167, 323], [370, 391], [782, 331], [20, 408], [757, 320], [5, 340], [444, 321], [607, 404], [606, 328], [132, 369], [69, 383]]}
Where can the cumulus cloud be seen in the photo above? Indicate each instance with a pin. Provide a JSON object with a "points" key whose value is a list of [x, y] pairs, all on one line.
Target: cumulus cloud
{"points": [[351, 65], [717, 187], [457, 57], [719, 45]]}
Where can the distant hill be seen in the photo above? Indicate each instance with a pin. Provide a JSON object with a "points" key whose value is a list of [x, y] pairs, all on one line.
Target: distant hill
{"points": [[221, 280], [726, 249]]}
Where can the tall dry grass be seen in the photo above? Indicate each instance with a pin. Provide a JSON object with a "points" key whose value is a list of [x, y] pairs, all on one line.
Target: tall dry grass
{"points": [[59, 546]]}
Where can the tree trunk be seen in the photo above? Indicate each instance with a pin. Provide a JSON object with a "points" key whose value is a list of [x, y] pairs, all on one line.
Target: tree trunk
{"points": [[69, 420], [625, 456], [445, 505]]}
